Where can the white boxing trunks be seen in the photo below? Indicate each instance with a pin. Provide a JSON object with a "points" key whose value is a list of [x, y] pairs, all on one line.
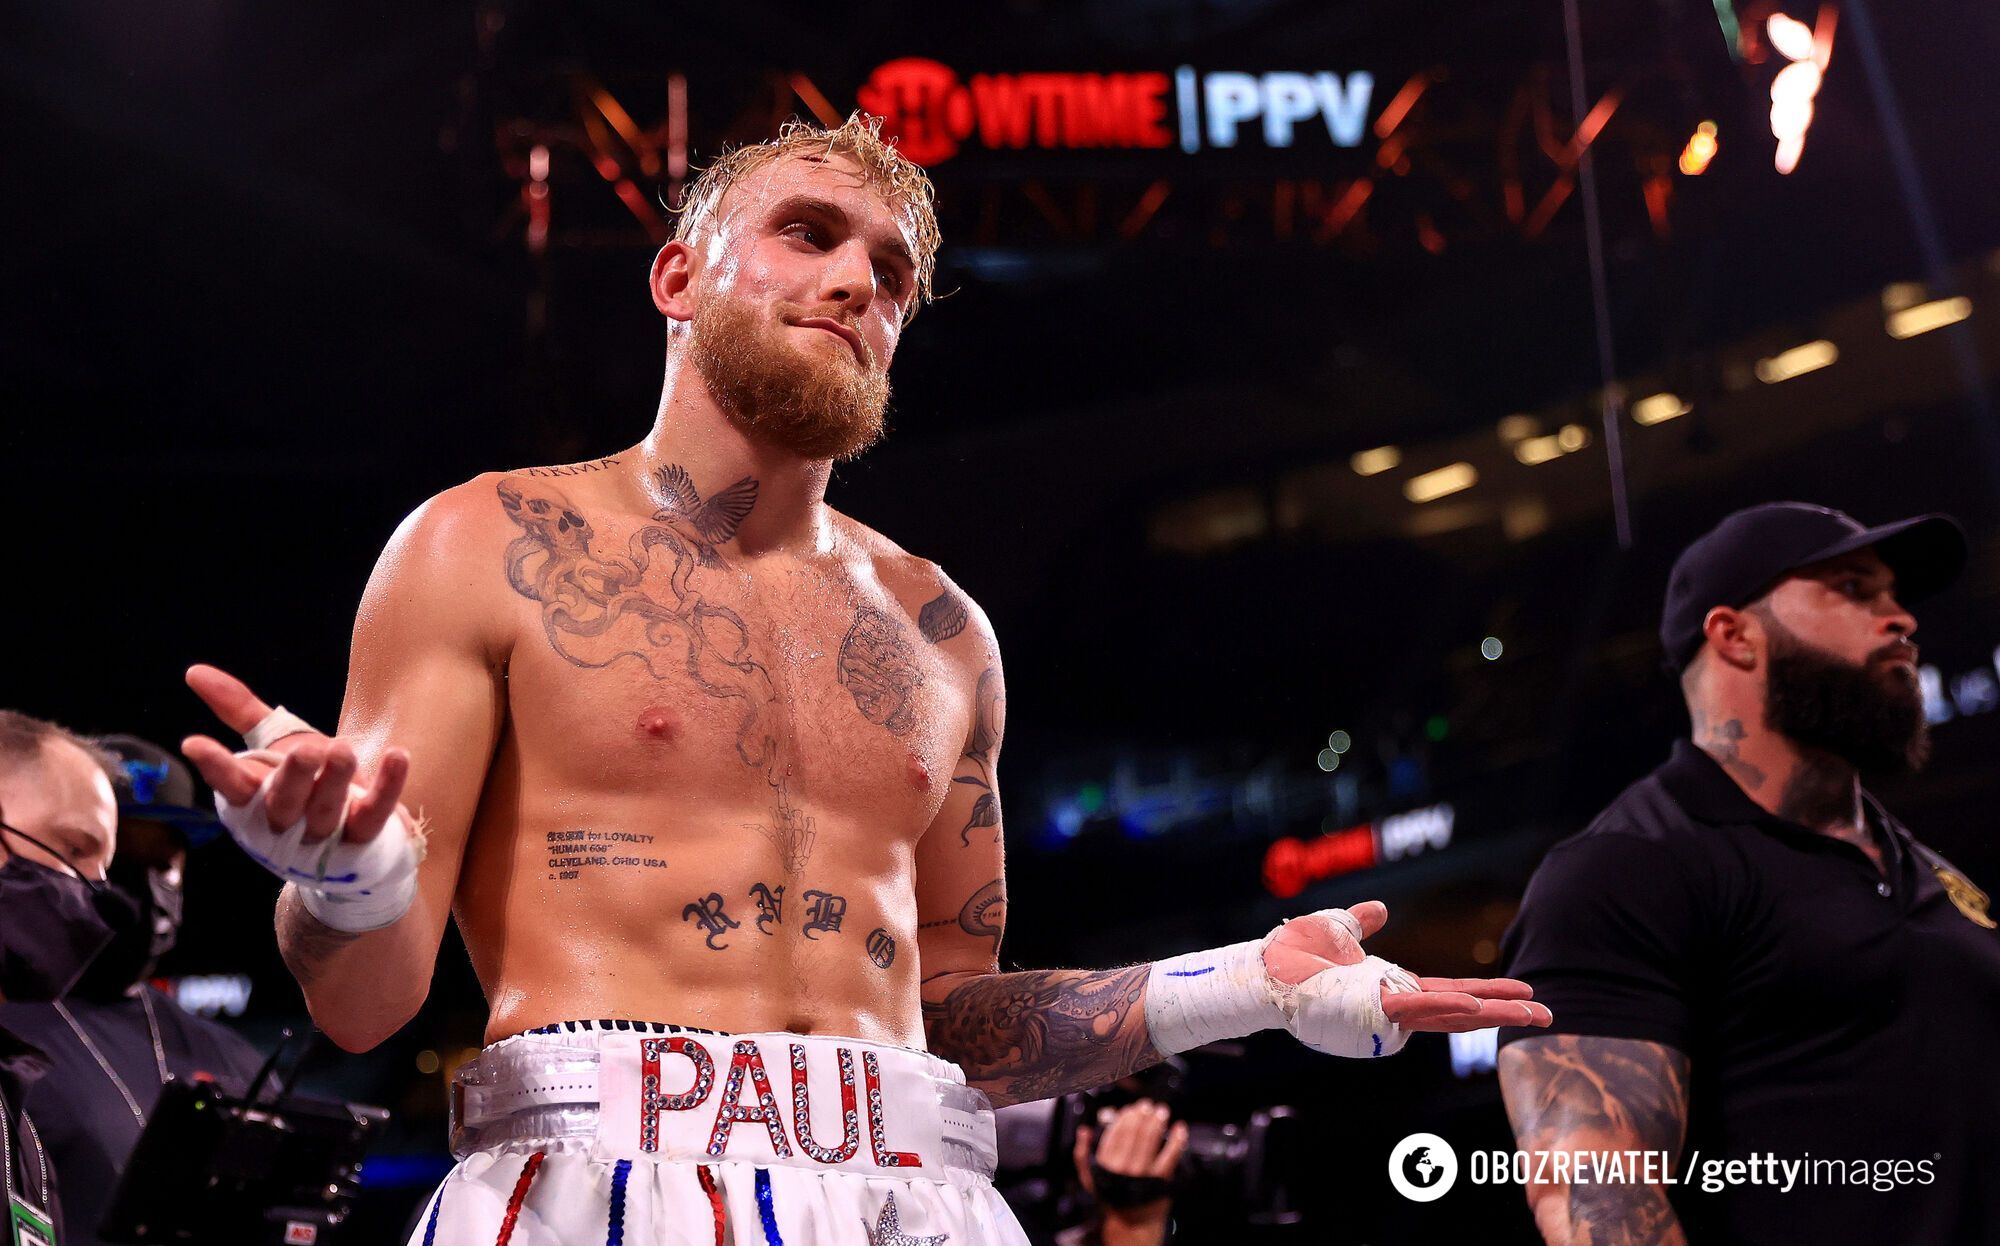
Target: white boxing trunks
{"points": [[637, 1133]]}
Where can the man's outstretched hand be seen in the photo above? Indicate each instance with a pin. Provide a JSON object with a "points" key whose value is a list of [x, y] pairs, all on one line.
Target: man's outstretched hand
{"points": [[313, 780], [1306, 945]]}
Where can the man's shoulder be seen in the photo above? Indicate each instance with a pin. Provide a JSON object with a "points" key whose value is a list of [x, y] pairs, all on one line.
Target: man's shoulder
{"points": [[942, 609], [1644, 827]]}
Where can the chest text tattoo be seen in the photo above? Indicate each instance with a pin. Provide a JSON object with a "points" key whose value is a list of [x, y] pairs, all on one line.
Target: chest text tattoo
{"points": [[647, 603]]}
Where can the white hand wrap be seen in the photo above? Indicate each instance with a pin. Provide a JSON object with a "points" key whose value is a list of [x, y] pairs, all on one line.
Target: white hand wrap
{"points": [[274, 727], [1226, 992], [350, 887]]}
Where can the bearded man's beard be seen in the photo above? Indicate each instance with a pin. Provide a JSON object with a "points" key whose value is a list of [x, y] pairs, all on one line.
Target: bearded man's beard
{"points": [[1870, 715], [827, 407]]}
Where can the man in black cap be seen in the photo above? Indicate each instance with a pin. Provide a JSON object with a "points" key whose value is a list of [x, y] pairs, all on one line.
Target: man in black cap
{"points": [[112, 1040], [1754, 968]]}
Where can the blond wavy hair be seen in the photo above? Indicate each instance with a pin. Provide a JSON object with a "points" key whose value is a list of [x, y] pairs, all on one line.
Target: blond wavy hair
{"points": [[893, 175]]}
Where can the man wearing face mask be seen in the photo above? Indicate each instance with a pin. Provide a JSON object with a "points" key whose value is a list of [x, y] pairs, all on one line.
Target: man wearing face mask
{"points": [[58, 824], [112, 1040]]}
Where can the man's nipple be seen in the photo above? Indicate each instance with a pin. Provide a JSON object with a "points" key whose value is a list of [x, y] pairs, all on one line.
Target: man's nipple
{"points": [[919, 774], [658, 724]]}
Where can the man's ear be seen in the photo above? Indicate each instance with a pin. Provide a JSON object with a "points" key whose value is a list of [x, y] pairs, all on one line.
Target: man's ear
{"points": [[1735, 636], [671, 280]]}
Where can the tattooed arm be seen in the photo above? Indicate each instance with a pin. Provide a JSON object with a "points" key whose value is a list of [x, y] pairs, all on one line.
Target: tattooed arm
{"points": [[1018, 1036], [1570, 1092]]}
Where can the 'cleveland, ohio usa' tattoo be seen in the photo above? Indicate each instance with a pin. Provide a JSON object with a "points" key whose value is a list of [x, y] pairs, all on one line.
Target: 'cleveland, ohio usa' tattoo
{"points": [[1037, 1034], [707, 914], [877, 668], [881, 948], [645, 603], [823, 913], [978, 757], [943, 617], [573, 851], [770, 905]]}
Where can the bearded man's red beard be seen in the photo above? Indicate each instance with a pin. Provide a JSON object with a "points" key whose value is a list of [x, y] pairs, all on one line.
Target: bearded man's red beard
{"points": [[816, 403]]}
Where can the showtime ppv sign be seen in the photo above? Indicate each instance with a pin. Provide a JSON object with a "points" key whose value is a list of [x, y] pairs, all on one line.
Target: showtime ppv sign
{"points": [[934, 114]]}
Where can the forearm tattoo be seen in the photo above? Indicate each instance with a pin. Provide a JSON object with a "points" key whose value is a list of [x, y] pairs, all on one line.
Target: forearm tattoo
{"points": [[1032, 1035], [646, 603], [977, 762], [1578, 1092]]}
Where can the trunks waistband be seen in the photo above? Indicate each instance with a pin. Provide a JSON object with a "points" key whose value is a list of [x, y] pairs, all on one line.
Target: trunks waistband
{"points": [[652, 1091]]}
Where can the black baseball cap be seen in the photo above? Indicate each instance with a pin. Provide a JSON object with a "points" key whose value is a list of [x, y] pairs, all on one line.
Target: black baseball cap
{"points": [[155, 785], [1741, 558]]}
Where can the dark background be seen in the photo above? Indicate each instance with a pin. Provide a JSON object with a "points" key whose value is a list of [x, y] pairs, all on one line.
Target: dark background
{"points": [[268, 286]]}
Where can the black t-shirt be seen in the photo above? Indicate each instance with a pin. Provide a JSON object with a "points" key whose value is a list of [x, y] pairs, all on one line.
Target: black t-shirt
{"points": [[84, 1122], [1829, 1011]]}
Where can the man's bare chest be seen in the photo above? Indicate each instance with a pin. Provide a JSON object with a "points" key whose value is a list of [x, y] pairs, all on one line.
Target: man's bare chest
{"points": [[647, 663]]}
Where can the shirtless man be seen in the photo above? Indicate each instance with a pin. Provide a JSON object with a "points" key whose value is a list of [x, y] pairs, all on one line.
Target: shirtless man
{"points": [[699, 754]]}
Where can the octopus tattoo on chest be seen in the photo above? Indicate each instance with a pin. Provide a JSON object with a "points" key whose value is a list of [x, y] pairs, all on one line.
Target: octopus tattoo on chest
{"points": [[646, 603]]}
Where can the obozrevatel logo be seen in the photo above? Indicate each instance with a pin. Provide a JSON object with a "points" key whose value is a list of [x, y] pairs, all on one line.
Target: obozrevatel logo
{"points": [[1422, 1167]]}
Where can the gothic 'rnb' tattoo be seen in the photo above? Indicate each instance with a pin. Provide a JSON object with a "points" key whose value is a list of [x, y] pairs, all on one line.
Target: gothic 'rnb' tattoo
{"points": [[644, 603], [877, 669], [1033, 1035], [708, 915], [823, 913], [770, 905], [979, 749], [1721, 741], [943, 617], [985, 914], [881, 948], [1577, 1092]]}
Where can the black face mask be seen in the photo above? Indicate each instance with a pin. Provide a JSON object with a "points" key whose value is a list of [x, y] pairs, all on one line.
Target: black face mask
{"points": [[153, 906], [51, 925]]}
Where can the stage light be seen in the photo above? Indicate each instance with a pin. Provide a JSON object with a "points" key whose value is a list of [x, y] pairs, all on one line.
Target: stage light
{"points": [[1513, 428], [1792, 37], [1375, 462], [1927, 316], [1537, 450], [1340, 741], [1808, 48], [1797, 361], [1329, 760], [1572, 437], [1491, 648], [1658, 409], [1699, 151], [427, 1062], [1449, 479]]}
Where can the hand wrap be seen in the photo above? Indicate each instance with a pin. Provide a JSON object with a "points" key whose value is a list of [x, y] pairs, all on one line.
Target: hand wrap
{"points": [[347, 886], [1226, 992]]}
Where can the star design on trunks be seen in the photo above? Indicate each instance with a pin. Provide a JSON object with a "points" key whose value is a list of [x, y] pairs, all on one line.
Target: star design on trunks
{"points": [[888, 1230]]}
